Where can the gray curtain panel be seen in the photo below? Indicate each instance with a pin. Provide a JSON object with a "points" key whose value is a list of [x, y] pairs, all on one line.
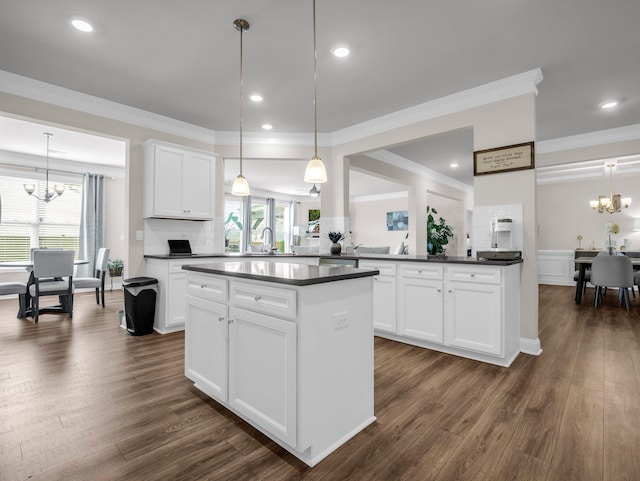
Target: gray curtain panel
{"points": [[92, 222]]}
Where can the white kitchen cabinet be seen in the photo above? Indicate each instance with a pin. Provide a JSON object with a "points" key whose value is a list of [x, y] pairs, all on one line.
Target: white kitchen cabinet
{"points": [[299, 357], [420, 309], [172, 290], [474, 316], [384, 294], [206, 346], [178, 182], [262, 371], [470, 310]]}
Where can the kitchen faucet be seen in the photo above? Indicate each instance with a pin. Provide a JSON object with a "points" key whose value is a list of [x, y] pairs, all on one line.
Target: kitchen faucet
{"points": [[270, 245]]}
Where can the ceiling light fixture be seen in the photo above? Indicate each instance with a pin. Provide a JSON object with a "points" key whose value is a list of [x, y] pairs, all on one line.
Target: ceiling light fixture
{"points": [[267, 126], [315, 173], [49, 194], [609, 104], [613, 202], [82, 25], [240, 186], [453, 165], [340, 52], [256, 98], [314, 191]]}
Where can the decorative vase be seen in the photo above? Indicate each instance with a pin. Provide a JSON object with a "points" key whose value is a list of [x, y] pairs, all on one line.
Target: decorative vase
{"points": [[335, 249]]}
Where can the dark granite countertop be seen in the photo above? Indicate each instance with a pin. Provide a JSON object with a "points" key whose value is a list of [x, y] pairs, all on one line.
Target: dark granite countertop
{"points": [[383, 257], [281, 272]]}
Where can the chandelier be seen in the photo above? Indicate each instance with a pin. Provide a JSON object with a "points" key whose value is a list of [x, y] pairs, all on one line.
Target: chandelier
{"points": [[49, 194], [314, 191], [611, 203]]}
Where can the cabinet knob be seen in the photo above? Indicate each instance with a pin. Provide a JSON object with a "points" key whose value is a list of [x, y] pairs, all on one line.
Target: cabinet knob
{"points": [[449, 291], [202, 286], [220, 319], [440, 290], [257, 298], [472, 275], [229, 321], [419, 272]]}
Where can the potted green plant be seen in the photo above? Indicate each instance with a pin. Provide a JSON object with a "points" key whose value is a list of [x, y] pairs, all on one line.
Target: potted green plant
{"points": [[438, 233], [115, 267], [335, 238]]}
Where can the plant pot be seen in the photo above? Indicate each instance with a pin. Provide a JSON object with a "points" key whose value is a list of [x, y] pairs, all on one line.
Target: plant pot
{"points": [[115, 272], [335, 249]]}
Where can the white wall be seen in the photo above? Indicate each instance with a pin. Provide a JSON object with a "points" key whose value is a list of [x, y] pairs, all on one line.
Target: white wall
{"points": [[564, 213], [454, 214], [369, 222]]}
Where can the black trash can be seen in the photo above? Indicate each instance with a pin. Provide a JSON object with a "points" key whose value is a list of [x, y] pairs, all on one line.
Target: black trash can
{"points": [[140, 304]]}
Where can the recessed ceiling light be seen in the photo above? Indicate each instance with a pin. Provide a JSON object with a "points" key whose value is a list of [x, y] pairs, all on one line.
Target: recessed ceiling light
{"points": [[609, 104], [340, 51], [453, 165], [256, 98], [267, 126], [82, 25]]}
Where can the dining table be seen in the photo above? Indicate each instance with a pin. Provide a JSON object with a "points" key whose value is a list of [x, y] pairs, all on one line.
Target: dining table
{"points": [[28, 265], [584, 263]]}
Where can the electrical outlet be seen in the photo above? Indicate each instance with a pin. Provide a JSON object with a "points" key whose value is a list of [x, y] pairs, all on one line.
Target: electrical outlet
{"points": [[340, 320], [139, 235]]}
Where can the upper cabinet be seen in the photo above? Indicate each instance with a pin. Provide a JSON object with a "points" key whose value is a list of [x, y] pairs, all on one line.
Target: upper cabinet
{"points": [[178, 182]]}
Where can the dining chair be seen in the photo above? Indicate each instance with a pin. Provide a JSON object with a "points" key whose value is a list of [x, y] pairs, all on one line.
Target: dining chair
{"points": [[20, 288], [52, 276], [612, 271], [96, 282]]}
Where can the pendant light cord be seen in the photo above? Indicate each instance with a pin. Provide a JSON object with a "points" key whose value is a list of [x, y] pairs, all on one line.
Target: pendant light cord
{"points": [[241, 95], [315, 83], [47, 172]]}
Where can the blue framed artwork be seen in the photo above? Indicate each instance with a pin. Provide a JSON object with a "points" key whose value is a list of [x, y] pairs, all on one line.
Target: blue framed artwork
{"points": [[398, 220]]}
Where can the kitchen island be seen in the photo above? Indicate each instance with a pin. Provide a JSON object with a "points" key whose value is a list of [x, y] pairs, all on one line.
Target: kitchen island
{"points": [[287, 347]]}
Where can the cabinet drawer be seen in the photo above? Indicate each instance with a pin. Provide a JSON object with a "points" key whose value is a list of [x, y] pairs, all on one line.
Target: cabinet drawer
{"points": [[385, 268], [422, 271], [176, 266], [259, 298], [485, 275], [207, 287]]}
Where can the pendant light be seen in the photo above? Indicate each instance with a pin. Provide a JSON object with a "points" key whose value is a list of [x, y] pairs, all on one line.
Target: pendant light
{"points": [[49, 194], [240, 186], [315, 173]]}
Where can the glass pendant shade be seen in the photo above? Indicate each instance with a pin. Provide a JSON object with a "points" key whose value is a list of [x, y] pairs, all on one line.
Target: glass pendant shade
{"points": [[59, 188], [315, 173], [29, 188], [240, 187]]}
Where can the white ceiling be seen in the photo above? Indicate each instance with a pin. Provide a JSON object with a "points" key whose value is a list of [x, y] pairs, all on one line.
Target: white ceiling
{"points": [[181, 59]]}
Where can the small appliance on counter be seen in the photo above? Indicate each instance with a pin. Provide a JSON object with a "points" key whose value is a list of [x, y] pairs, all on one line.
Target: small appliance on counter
{"points": [[180, 248]]}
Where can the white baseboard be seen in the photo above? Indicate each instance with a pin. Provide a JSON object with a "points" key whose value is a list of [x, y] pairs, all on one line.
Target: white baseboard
{"points": [[530, 346]]}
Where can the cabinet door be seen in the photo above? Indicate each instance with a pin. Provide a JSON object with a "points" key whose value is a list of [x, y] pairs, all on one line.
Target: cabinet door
{"points": [[168, 182], [176, 291], [420, 309], [197, 189], [384, 303], [262, 371], [206, 351], [474, 316]]}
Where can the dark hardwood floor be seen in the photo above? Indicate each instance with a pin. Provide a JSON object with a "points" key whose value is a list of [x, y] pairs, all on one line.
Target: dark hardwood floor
{"points": [[82, 400]]}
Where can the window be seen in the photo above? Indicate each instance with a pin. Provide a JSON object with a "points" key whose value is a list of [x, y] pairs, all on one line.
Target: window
{"points": [[27, 222], [233, 226], [235, 232]]}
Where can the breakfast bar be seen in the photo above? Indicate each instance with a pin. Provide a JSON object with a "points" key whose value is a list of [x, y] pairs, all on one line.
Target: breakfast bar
{"points": [[287, 347]]}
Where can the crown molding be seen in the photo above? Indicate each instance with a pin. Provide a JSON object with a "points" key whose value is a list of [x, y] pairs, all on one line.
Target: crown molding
{"points": [[19, 162], [298, 139], [626, 166], [405, 164], [374, 197], [591, 139], [499, 90], [52, 94]]}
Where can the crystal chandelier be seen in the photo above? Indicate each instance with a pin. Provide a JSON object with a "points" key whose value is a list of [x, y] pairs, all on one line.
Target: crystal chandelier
{"points": [[611, 203], [49, 194]]}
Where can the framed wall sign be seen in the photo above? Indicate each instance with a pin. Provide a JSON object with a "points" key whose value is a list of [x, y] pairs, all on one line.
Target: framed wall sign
{"points": [[503, 159]]}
